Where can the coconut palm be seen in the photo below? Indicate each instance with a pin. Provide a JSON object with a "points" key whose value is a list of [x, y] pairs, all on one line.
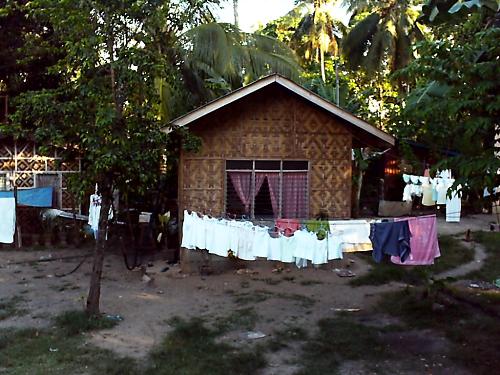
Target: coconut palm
{"points": [[214, 58], [318, 33], [382, 39]]}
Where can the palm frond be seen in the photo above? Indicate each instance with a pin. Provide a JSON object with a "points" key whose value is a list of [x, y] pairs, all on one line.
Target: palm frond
{"points": [[356, 42]]}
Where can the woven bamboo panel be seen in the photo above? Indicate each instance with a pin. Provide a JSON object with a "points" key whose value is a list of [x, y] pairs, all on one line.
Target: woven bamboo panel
{"points": [[25, 180], [203, 200], [25, 149], [272, 124], [330, 202], [7, 150], [203, 174], [7, 165], [30, 165], [67, 201]]}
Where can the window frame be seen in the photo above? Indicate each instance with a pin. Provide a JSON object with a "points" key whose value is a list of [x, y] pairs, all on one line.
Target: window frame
{"points": [[281, 171]]}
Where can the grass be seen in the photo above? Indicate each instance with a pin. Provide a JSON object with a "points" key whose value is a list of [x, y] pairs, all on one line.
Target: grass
{"points": [[239, 319], [474, 335], [260, 295], [191, 349], [490, 270], [10, 307], [453, 254], [75, 322], [281, 338], [63, 287], [251, 297], [310, 282], [338, 340], [53, 351]]}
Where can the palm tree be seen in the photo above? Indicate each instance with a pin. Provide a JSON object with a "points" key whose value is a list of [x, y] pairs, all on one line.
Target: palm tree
{"points": [[382, 39], [318, 33], [214, 58], [236, 15]]}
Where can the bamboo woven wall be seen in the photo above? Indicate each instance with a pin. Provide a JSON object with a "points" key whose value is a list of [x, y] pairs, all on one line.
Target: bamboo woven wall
{"points": [[21, 160], [270, 124]]}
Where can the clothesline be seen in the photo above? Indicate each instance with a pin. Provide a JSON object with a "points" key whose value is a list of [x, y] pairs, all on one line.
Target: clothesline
{"points": [[434, 191], [317, 241]]}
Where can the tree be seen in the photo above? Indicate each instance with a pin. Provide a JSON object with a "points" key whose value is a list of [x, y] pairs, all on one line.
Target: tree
{"points": [[124, 69], [455, 105], [383, 35], [105, 109], [23, 66], [317, 34]]}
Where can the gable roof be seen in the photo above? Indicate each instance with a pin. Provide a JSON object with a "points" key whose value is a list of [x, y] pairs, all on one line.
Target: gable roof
{"points": [[369, 133]]}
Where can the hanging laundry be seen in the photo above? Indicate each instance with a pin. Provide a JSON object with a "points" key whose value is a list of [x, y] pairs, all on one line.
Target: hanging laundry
{"points": [[391, 238], [354, 234], [407, 193], [188, 229], [7, 219], [95, 213], [454, 206], [442, 189], [35, 197], [245, 240], [320, 227], [305, 245], [287, 226], [287, 247], [423, 243], [261, 242], [334, 246], [427, 194]]}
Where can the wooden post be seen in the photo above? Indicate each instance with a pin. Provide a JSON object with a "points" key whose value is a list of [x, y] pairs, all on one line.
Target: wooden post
{"points": [[17, 228]]}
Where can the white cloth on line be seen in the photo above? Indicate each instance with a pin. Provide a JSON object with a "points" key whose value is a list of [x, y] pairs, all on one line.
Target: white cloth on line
{"points": [[94, 211], [351, 231], [454, 206], [7, 219]]}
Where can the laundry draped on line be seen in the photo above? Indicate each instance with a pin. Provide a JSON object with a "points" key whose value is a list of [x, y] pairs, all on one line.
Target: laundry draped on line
{"points": [[424, 241], [435, 191], [7, 220], [247, 241], [409, 241]]}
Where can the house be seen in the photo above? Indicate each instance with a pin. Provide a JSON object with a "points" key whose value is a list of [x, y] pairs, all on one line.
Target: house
{"points": [[272, 149], [21, 164]]}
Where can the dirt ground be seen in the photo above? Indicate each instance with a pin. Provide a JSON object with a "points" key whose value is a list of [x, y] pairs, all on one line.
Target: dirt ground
{"points": [[291, 298]]}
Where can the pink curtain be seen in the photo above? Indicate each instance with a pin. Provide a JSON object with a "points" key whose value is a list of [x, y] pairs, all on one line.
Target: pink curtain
{"points": [[242, 183], [294, 194]]}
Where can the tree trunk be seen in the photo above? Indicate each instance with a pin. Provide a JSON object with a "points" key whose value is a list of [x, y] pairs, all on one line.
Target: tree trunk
{"points": [[322, 63], [94, 296], [337, 88], [236, 15], [357, 197]]}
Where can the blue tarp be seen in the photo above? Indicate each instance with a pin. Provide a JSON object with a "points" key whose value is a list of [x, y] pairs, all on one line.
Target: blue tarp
{"points": [[37, 197]]}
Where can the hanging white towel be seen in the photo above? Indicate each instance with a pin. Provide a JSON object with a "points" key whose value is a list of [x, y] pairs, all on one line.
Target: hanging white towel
{"points": [[7, 219], [95, 211], [454, 206]]}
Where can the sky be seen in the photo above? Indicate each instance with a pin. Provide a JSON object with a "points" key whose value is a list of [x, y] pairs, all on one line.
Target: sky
{"points": [[252, 13]]}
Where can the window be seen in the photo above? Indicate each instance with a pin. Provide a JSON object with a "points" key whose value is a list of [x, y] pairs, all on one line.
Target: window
{"points": [[267, 188]]}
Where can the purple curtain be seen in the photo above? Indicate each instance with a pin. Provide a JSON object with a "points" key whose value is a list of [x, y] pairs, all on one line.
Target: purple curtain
{"points": [[294, 194], [242, 183]]}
